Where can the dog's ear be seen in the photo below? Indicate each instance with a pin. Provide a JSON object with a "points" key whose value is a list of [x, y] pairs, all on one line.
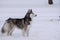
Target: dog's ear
{"points": [[29, 11]]}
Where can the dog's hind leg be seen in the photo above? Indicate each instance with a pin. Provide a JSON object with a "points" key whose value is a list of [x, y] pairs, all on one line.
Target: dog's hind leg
{"points": [[10, 29], [10, 33]]}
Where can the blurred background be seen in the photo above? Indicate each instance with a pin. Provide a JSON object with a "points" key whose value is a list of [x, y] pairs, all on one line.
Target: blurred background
{"points": [[46, 25]]}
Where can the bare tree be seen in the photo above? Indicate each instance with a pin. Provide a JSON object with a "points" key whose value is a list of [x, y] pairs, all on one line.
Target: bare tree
{"points": [[50, 2]]}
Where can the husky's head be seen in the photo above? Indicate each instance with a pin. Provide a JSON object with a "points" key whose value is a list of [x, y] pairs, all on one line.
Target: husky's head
{"points": [[30, 14]]}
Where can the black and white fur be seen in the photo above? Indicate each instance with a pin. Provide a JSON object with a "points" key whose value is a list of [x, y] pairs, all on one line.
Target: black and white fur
{"points": [[22, 23]]}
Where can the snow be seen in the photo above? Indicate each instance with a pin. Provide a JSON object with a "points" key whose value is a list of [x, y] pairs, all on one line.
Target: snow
{"points": [[46, 26]]}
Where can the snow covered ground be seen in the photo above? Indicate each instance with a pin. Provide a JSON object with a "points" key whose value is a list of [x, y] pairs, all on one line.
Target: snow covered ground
{"points": [[46, 26]]}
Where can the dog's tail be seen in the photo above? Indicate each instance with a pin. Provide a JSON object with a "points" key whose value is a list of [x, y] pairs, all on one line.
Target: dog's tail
{"points": [[2, 30]]}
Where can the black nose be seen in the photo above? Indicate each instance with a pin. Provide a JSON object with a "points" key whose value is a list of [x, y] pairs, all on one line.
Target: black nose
{"points": [[35, 15]]}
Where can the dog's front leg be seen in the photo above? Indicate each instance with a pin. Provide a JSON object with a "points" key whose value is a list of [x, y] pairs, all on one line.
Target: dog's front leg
{"points": [[25, 32]]}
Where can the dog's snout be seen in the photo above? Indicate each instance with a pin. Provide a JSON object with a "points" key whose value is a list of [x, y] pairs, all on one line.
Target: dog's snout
{"points": [[35, 15]]}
